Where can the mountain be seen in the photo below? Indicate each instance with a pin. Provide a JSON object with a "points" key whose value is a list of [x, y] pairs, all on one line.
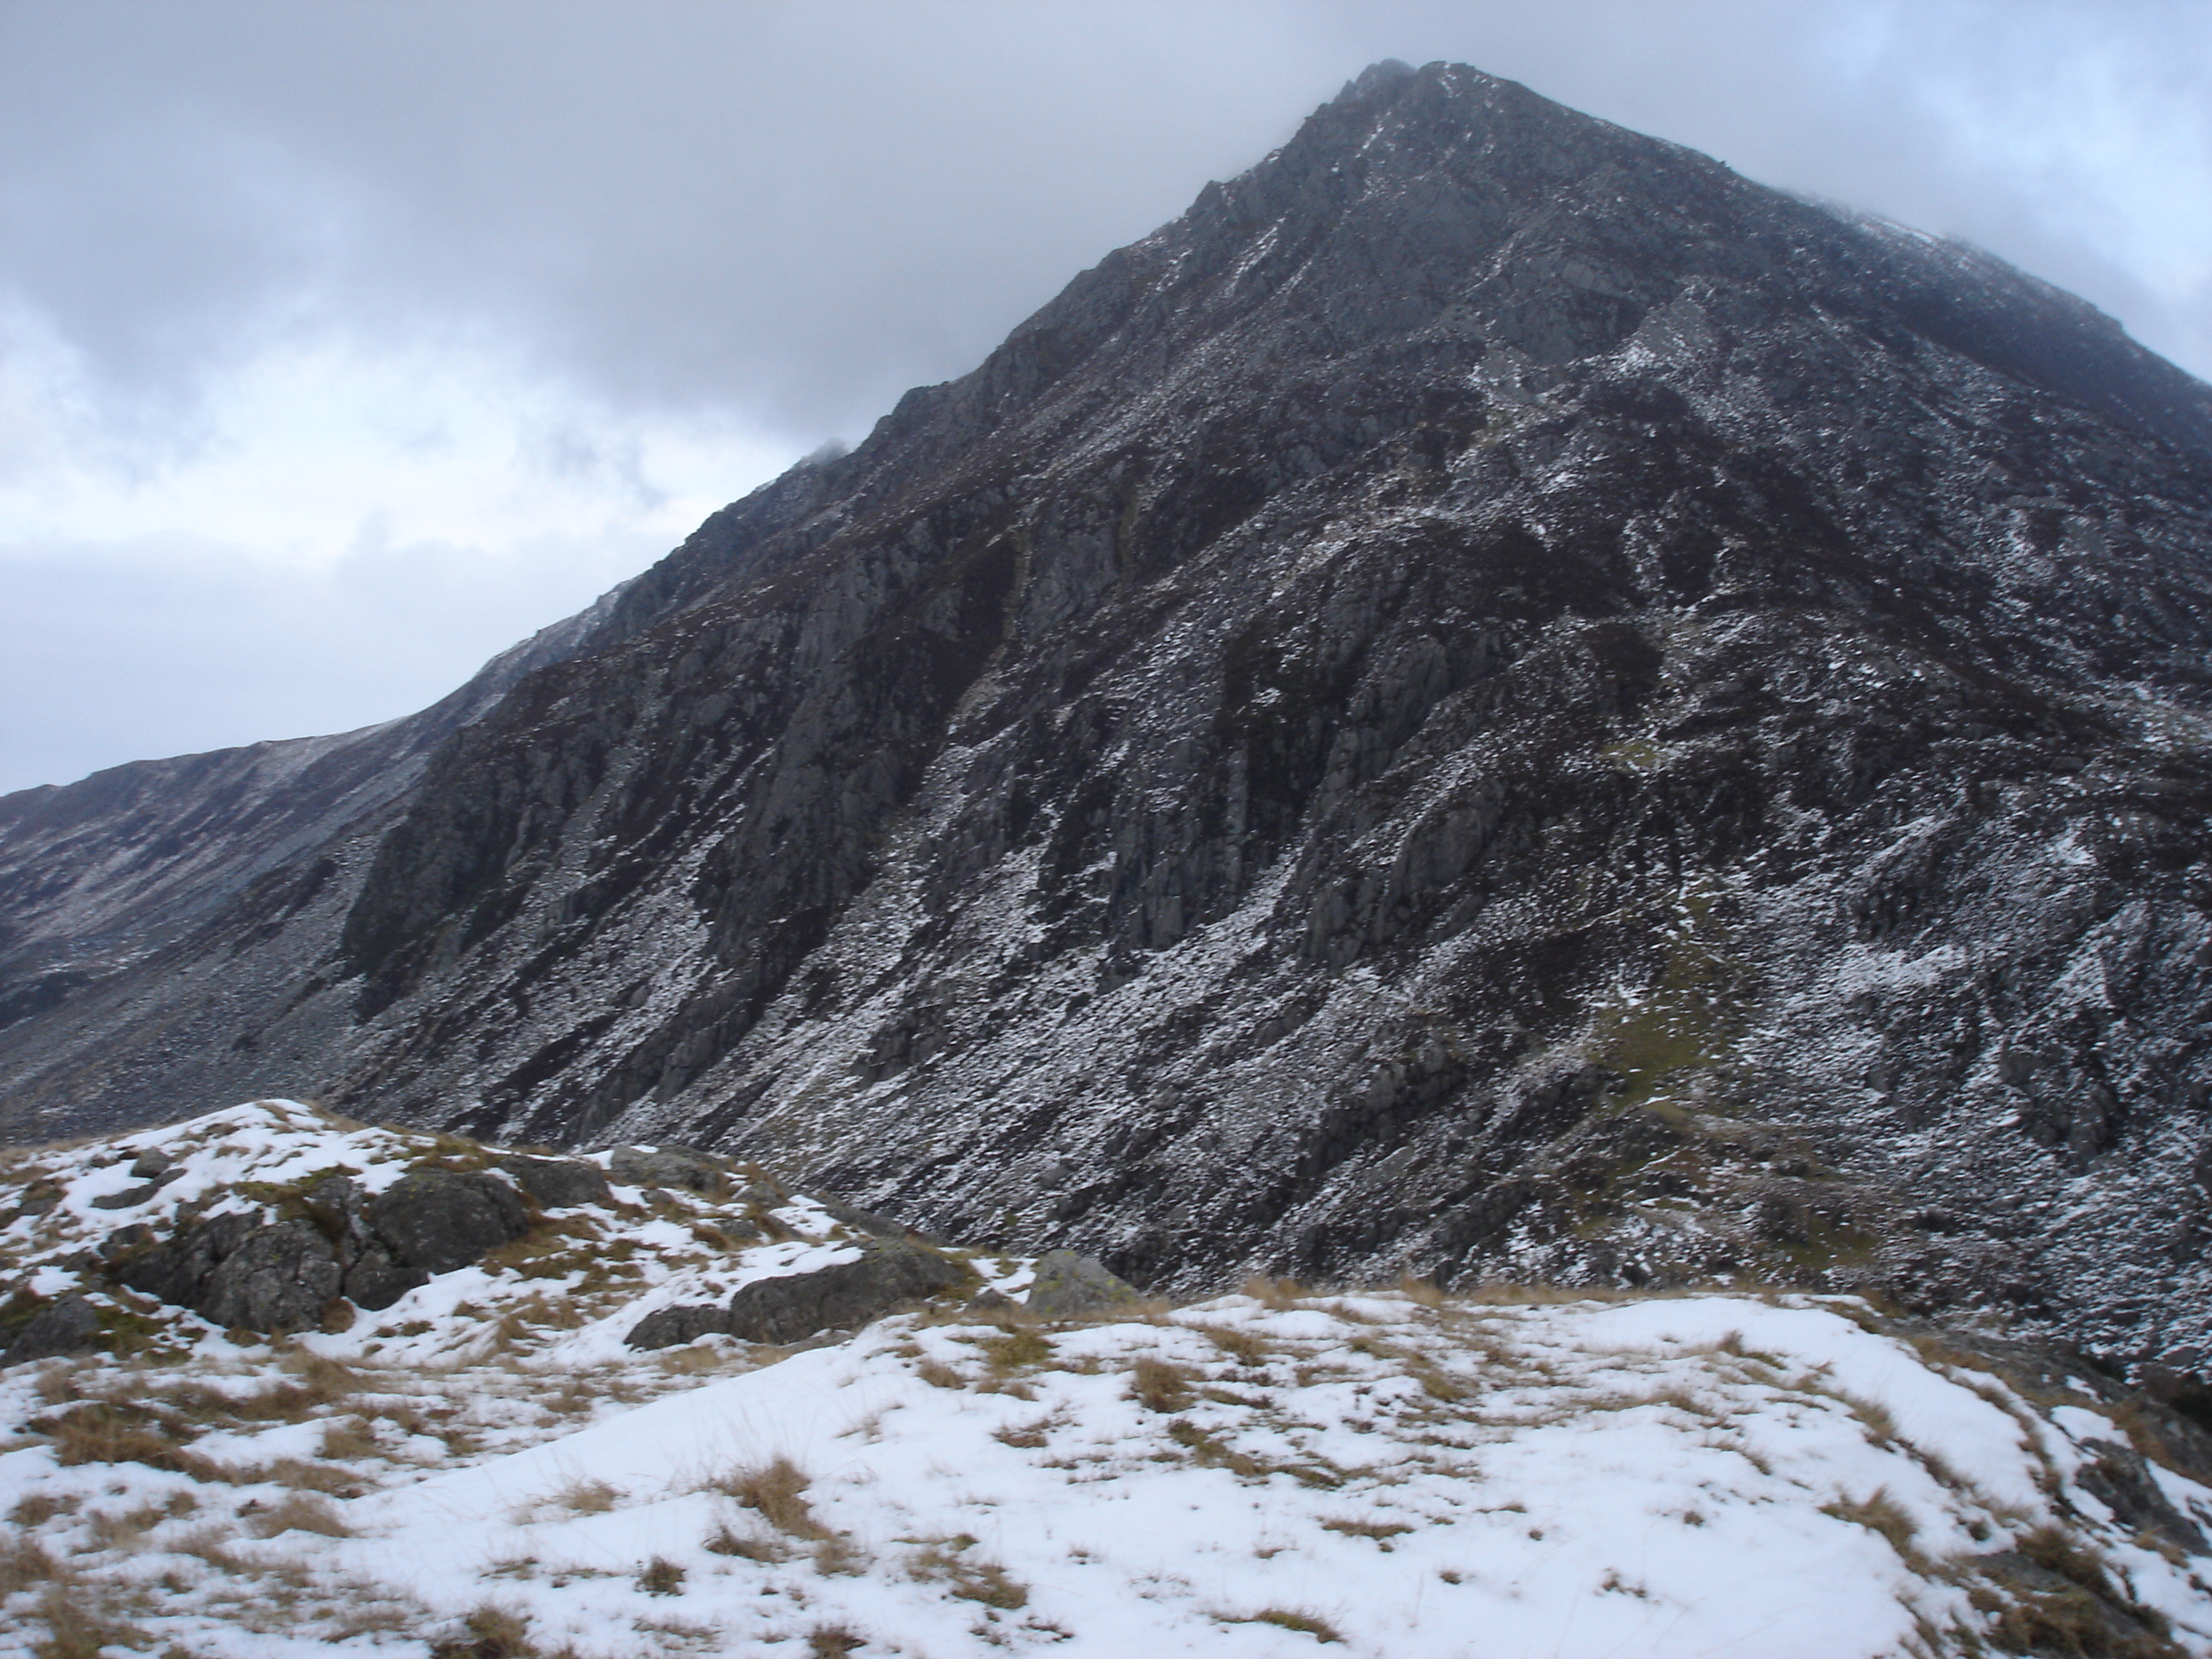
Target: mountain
{"points": [[1495, 701]]}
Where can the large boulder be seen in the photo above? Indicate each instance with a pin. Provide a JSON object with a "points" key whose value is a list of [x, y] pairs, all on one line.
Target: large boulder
{"points": [[669, 1166], [557, 1183], [274, 1276], [437, 1220], [242, 1270], [1072, 1286], [884, 1277], [69, 1325]]}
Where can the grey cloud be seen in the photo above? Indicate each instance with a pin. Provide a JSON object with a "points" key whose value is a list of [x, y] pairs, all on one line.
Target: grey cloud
{"points": [[109, 653], [797, 210]]}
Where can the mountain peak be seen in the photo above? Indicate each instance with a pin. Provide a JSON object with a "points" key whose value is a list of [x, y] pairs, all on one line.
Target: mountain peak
{"points": [[1495, 700]]}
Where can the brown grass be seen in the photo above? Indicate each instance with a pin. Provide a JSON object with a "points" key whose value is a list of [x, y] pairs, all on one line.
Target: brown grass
{"points": [[1353, 1527], [300, 1475], [1016, 1348], [775, 1492], [124, 1531], [833, 1641], [101, 1432], [661, 1576], [747, 1547], [1247, 1348], [490, 1632], [24, 1565], [74, 1631], [348, 1439], [1160, 1386], [39, 1508], [1275, 1292], [300, 1511], [1879, 1513], [1424, 1291], [587, 1496], [1305, 1624], [972, 1579]]}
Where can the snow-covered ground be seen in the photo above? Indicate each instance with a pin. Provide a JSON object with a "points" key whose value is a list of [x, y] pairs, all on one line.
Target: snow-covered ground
{"points": [[1392, 1473]]}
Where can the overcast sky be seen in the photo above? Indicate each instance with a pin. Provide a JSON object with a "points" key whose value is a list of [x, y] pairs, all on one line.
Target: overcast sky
{"points": [[342, 343]]}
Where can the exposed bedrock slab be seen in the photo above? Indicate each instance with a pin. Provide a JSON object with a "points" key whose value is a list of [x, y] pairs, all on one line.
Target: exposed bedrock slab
{"points": [[885, 1277]]}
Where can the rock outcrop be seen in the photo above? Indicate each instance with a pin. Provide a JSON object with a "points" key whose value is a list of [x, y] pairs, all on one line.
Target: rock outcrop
{"points": [[1495, 701], [883, 1277], [1072, 1286], [271, 1274]]}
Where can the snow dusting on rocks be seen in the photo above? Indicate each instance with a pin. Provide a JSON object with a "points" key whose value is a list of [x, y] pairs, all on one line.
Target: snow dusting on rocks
{"points": [[487, 1467]]}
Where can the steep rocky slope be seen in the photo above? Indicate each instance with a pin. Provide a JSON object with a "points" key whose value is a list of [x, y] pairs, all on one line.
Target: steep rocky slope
{"points": [[1495, 699]]}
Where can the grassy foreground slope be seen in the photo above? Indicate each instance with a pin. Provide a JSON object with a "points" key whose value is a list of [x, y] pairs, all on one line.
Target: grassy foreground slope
{"points": [[484, 1468]]}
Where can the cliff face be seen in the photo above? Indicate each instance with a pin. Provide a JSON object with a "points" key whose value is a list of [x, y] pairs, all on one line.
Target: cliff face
{"points": [[1495, 699]]}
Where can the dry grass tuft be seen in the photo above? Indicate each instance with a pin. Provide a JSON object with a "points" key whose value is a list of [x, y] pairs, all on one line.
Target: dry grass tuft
{"points": [[38, 1508], [74, 1631], [834, 1641], [100, 1431], [1305, 1624], [301, 1511], [587, 1496], [1160, 1386], [1016, 1348], [25, 1565], [774, 1491], [1880, 1514], [1277, 1293], [971, 1578], [747, 1547], [837, 1556], [1247, 1348], [1356, 1527], [349, 1440], [661, 1576], [300, 1475], [1425, 1291], [490, 1632]]}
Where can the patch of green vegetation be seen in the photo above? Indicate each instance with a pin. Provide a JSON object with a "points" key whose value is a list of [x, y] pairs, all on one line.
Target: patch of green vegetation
{"points": [[1638, 755], [286, 1192], [1691, 1017]]}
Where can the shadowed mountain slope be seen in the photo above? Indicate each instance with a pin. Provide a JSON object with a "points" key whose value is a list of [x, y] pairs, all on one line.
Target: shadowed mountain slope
{"points": [[1495, 699]]}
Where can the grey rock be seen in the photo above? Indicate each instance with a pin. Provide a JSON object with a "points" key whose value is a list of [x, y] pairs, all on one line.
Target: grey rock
{"points": [[669, 1166], [886, 1277], [669, 1327], [436, 1220], [126, 1242], [242, 1271], [374, 1276], [867, 1221], [277, 1275], [1072, 1286], [557, 1184], [149, 1163], [131, 1197], [71, 1325]]}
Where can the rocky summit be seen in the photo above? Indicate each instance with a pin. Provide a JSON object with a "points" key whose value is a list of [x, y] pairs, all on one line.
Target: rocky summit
{"points": [[1495, 701]]}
